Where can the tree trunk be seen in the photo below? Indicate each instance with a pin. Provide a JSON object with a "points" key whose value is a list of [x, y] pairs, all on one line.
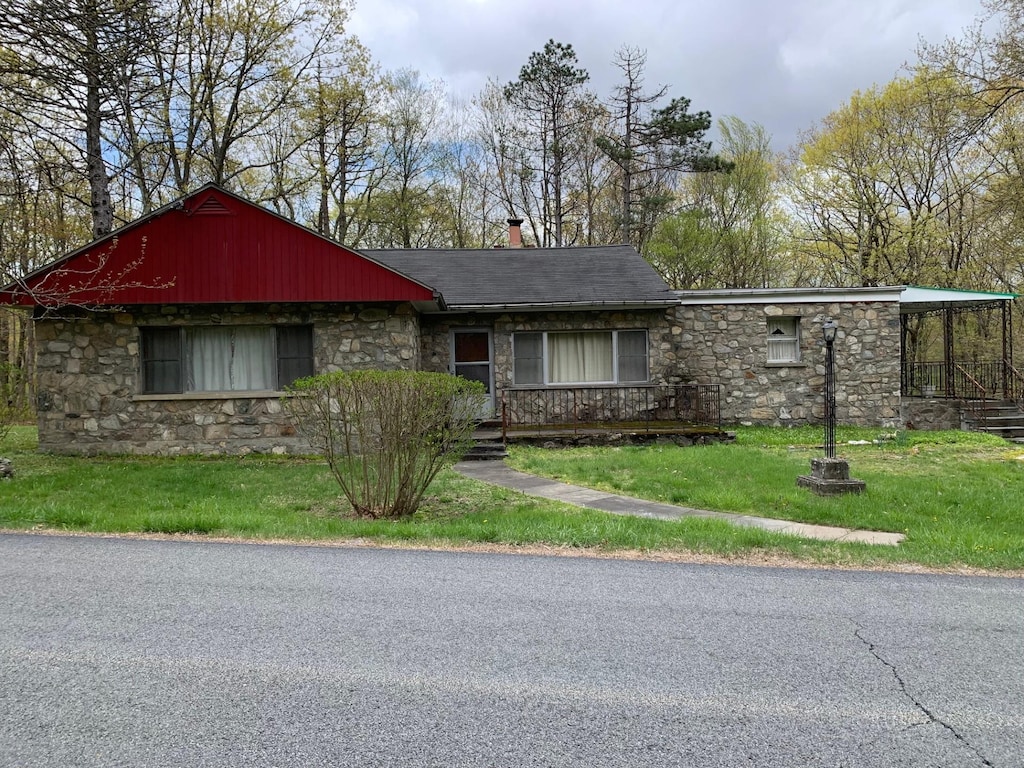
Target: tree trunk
{"points": [[627, 165], [99, 185]]}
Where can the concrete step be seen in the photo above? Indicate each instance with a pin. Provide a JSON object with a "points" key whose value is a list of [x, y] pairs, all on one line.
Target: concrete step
{"points": [[999, 417], [1009, 432], [488, 444], [486, 451], [1002, 418], [1002, 413], [484, 434]]}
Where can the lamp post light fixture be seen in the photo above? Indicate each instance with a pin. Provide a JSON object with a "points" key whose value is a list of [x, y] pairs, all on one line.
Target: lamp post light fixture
{"points": [[830, 476], [828, 330]]}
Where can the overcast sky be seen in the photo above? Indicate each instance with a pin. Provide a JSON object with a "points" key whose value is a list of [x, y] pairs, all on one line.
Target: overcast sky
{"points": [[782, 63]]}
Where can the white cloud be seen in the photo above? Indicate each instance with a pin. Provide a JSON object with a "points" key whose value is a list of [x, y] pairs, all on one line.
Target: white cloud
{"points": [[784, 64]]}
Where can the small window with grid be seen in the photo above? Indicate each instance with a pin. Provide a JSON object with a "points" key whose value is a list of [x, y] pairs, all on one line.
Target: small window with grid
{"points": [[783, 340]]}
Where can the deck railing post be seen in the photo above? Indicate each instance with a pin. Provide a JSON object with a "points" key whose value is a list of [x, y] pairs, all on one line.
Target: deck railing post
{"points": [[648, 408]]}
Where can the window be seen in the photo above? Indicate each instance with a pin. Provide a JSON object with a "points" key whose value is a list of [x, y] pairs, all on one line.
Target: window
{"points": [[528, 358], [632, 356], [783, 339], [579, 357], [237, 358]]}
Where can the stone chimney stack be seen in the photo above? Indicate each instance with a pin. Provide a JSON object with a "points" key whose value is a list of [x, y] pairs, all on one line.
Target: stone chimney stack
{"points": [[515, 233]]}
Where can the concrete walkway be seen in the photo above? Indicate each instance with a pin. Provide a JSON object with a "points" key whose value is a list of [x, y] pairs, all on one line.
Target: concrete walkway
{"points": [[499, 473]]}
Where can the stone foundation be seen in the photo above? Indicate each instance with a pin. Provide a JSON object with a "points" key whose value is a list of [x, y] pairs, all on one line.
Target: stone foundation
{"points": [[925, 413], [613, 438]]}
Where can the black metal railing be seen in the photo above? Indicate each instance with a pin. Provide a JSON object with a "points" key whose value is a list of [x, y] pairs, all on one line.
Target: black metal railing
{"points": [[974, 393], [641, 407], [1015, 385], [966, 380], [975, 382]]}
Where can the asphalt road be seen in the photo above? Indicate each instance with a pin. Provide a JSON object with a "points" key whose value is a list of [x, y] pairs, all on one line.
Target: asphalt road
{"points": [[155, 653]]}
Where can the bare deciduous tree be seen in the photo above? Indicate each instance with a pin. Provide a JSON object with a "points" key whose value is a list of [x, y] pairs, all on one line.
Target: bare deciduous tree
{"points": [[72, 60]]}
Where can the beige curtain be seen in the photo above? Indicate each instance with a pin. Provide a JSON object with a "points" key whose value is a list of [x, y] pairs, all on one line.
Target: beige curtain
{"points": [[230, 359], [576, 358]]}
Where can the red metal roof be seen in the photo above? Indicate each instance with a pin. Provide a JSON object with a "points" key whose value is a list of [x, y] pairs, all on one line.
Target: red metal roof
{"points": [[213, 247]]}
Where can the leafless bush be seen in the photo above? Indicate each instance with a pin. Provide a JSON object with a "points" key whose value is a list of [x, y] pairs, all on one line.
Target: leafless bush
{"points": [[386, 434]]}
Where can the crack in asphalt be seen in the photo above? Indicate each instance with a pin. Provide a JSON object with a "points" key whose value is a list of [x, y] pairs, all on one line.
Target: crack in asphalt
{"points": [[932, 717]]}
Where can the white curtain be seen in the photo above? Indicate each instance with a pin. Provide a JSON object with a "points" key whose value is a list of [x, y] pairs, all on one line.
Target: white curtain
{"points": [[783, 339], [580, 357], [230, 359]]}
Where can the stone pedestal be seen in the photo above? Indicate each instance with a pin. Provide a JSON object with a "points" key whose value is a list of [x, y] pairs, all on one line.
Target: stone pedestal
{"points": [[830, 477]]}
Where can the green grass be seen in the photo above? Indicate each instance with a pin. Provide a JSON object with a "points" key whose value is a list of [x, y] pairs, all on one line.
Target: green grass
{"points": [[956, 495], [286, 498]]}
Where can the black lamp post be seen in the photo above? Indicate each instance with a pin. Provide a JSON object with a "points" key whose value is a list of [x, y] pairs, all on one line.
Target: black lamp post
{"points": [[830, 476], [828, 330]]}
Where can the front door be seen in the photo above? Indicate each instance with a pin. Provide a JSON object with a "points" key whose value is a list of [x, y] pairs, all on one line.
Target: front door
{"points": [[472, 358]]}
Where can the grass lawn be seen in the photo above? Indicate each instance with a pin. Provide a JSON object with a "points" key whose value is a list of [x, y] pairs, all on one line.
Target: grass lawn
{"points": [[956, 496]]}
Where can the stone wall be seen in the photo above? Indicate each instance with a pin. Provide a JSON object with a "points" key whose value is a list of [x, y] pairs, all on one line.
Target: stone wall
{"points": [[931, 413], [727, 344], [436, 345], [90, 398]]}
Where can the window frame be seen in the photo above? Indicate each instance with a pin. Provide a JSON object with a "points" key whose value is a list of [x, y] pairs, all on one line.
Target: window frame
{"points": [[792, 338], [616, 363], [148, 388]]}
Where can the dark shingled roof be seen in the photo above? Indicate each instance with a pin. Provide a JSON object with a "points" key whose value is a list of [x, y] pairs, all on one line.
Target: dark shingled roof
{"points": [[500, 277]]}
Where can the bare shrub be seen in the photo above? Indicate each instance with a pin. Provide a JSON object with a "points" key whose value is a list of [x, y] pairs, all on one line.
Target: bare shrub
{"points": [[386, 434]]}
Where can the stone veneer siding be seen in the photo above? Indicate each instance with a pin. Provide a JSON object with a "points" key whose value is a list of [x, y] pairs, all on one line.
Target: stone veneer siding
{"points": [[90, 399], [925, 413], [727, 344], [436, 344]]}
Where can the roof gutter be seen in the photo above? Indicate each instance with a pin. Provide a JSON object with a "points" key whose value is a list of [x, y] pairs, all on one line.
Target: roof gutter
{"points": [[788, 295], [548, 305]]}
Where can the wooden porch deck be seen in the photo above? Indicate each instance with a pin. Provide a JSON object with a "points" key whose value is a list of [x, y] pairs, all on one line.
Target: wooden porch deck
{"points": [[606, 433]]}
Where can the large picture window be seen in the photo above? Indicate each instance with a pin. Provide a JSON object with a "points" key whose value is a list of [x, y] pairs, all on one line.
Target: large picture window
{"points": [[579, 357], [241, 358]]}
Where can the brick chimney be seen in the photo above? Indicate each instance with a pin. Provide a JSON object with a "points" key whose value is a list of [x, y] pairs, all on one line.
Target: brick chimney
{"points": [[515, 233]]}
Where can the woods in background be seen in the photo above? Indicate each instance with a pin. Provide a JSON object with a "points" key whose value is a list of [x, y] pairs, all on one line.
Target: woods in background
{"points": [[113, 108]]}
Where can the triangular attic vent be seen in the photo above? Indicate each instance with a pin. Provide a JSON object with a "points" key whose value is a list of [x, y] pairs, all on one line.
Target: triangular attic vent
{"points": [[211, 206]]}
